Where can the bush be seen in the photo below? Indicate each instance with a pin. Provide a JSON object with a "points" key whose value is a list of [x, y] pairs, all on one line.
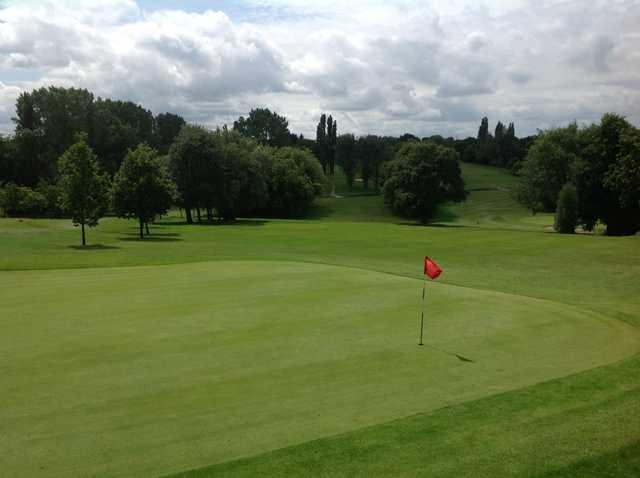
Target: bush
{"points": [[421, 176], [51, 194], [21, 201], [567, 210]]}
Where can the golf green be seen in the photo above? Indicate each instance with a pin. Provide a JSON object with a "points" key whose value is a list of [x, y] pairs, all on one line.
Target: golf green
{"points": [[148, 370]]}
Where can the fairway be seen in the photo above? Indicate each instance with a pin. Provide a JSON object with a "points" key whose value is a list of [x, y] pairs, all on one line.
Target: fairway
{"points": [[290, 346]]}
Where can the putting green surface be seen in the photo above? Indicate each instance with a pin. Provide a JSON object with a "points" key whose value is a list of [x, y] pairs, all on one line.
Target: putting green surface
{"points": [[149, 370]]}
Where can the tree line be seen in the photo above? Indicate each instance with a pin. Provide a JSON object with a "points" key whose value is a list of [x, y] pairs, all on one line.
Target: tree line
{"points": [[260, 168], [76, 156], [257, 168], [587, 175]]}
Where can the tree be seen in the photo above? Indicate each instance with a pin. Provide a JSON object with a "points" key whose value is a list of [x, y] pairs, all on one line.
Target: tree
{"points": [[84, 189], [499, 136], [601, 160], [168, 125], [266, 127], [47, 122], [242, 188], [326, 140], [191, 168], [486, 149], [546, 169], [117, 127], [408, 137], [331, 140], [623, 176], [370, 151], [511, 149], [142, 187], [483, 130], [346, 157], [8, 161], [294, 178], [422, 176], [321, 142], [567, 211], [605, 176]]}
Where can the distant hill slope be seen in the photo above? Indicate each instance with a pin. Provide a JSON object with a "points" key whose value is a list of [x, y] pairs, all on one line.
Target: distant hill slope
{"points": [[490, 203]]}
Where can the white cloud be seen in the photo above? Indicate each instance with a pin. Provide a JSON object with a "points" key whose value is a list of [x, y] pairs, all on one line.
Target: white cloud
{"points": [[381, 67], [8, 96]]}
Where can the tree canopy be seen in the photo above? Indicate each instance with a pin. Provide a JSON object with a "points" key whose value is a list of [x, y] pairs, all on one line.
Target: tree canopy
{"points": [[421, 176], [142, 187], [601, 160], [266, 127]]}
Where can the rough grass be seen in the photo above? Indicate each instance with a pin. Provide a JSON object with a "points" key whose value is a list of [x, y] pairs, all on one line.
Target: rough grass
{"points": [[292, 344]]}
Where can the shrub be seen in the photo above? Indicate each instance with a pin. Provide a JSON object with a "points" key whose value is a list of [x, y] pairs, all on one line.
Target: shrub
{"points": [[21, 201], [51, 194]]}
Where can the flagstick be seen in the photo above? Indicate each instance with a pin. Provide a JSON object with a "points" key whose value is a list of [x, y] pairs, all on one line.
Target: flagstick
{"points": [[424, 285]]}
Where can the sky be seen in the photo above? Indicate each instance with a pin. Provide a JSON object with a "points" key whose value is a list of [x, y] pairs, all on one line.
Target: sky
{"points": [[379, 67]]}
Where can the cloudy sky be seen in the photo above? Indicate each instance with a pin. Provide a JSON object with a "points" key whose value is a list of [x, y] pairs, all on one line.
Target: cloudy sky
{"points": [[385, 67]]}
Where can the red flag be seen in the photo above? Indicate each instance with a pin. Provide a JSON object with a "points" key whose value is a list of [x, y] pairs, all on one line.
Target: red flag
{"points": [[431, 269]]}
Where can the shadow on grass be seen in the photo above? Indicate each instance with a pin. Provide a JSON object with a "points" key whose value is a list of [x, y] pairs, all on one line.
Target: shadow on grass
{"points": [[453, 354], [320, 212], [430, 224], [151, 238], [238, 222], [443, 214], [153, 234], [92, 247]]}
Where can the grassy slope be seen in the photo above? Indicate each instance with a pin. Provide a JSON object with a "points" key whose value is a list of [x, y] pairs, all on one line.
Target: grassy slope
{"points": [[204, 361], [488, 244]]}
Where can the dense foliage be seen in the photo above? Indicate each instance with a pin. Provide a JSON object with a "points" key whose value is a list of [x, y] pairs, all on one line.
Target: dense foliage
{"points": [[601, 160], [266, 127], [231, 174], [567, 210], [142, 187], [21, 201], [547, 168], [48, 119], [422, 175]]}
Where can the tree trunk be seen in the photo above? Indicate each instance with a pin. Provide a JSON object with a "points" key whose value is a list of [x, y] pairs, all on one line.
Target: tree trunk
{"points": [[187, 212], [146, 228], [198, 214], [209, 214], [84, 241], [141, 228]]}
